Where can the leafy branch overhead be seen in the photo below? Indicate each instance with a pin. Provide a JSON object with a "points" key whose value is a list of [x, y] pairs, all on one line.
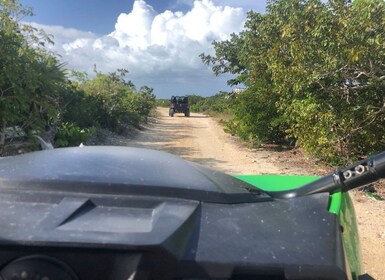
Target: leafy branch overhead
{"points": [[317, 71]]}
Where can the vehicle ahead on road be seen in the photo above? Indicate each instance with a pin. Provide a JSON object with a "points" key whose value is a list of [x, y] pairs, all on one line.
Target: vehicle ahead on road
{"points": [[179, 104], [121, 213]]}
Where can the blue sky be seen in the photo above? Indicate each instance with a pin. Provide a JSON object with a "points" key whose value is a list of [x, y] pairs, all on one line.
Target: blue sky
{"points": [[158, 41]]}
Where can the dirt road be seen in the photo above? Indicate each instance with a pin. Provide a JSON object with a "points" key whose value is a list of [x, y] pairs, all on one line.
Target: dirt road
{"points": [[202, 140]]}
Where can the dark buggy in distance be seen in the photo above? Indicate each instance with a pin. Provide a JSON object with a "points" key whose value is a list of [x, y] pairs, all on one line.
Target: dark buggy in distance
{"points": [[179, 104]]}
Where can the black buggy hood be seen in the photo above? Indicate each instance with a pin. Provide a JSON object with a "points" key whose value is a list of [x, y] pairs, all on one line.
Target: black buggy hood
{"points": [[124, 171], [150, 214]]}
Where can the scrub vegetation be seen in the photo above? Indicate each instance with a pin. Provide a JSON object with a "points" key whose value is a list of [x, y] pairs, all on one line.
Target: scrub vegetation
{"points": [[37, 92], [314, 74]]}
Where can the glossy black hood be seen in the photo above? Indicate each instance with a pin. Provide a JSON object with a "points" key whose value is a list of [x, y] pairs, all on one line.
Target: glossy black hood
{"points": [[124, 213], [125, 171]]}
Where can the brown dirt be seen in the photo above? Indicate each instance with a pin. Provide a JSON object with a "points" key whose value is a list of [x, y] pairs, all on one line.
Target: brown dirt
{"points": [[202, 140]]}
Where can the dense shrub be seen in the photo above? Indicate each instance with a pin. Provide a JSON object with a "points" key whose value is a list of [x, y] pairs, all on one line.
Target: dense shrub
{"points": [[217, 103], [69, 134], [108, 101], [30, 77], [315, 74]]}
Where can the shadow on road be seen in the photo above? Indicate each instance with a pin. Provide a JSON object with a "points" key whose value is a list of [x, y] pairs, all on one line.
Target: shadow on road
{"points": [[198, 117]]}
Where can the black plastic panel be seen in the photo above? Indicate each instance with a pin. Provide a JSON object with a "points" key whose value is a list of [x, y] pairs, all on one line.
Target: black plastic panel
{"points": [[60, 205]]}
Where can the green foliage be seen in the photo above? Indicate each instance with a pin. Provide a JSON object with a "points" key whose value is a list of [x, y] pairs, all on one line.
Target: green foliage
{"points": [[165, 103], [35, 92], [70, 134], [194, 99], [315, 73], [108, 100], [147, 101], [333, 95], [228, 59], [217, 103], [30, 77], [77, 107], [256, 119]]}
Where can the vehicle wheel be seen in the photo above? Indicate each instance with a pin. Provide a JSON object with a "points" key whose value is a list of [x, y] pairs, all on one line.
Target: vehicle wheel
{"points": [[187, 114], [171, 112]]}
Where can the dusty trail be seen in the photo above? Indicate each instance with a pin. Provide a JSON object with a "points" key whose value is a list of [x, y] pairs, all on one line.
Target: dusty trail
{"points": [[202, 140]]}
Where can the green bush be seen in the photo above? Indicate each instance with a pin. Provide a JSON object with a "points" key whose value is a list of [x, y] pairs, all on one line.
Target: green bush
{"points": [[108, 101], [30, 76], [217, 103], [315, 74], [163, 103], [69, 135]]}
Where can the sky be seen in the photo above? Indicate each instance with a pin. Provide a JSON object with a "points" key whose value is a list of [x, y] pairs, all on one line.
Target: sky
{"points": [[157, 41]]}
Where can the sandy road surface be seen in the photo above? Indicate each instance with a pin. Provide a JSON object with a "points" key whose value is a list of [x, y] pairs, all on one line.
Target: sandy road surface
{"points": [[202, 140]]}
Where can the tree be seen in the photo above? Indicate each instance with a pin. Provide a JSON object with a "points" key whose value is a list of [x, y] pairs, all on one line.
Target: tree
{"points": [[256, 116], [315, 72], [228, 59], [328, 72]]}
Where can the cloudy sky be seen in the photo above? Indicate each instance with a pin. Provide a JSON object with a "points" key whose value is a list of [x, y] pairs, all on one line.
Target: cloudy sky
{"points": [[158, 41]]}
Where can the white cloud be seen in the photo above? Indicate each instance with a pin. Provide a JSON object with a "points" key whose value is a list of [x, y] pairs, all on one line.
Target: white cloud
{"points": [[151, 45], [64, 35], [257, 6], [134, 29]]}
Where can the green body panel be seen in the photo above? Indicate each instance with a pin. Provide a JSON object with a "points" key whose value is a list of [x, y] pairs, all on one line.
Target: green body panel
{"points": [[339, 204], [347, 218], [335, 203], [276, 182]]}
